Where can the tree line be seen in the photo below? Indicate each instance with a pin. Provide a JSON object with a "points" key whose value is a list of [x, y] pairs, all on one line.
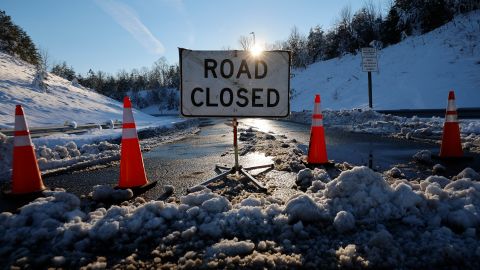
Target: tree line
{"points": [[352, 31], [368, 27], [157, 83], [15, 41]]}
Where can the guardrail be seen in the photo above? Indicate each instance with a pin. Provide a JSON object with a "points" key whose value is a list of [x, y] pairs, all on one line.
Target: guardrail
{"points": [[463, 113], [36, 132]]}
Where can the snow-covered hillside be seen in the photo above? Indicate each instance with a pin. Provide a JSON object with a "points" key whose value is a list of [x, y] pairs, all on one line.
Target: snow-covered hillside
{"points": [[62, 101], [416, 73]]}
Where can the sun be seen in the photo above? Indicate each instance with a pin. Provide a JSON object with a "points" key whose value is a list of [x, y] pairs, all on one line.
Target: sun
{"points": [[256, 50]]}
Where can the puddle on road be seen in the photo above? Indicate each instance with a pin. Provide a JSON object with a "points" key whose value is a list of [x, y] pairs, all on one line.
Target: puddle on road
{"points": [[255, 159], [378, 152]]}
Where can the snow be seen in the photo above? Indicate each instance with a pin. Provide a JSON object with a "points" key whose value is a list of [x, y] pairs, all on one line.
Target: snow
{"points": [[231, 247], [107, 193], [423, 156], [353, 218], [303, 208], [359, 218], [468, 173], [344, 221], [416, 73], [61, 104]]}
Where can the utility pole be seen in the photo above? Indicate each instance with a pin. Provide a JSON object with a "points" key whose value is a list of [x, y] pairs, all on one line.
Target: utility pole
{"points": [[253, 33]]}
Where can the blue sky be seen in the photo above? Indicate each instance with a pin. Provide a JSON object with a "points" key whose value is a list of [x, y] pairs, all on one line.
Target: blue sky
{"points": [[111, 35]]}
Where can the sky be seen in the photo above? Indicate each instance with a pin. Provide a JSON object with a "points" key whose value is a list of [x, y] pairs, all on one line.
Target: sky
{"points": [[111, 35]]}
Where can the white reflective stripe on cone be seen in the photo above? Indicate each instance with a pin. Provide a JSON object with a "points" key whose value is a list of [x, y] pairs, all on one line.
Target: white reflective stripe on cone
{"points": [[22, 141], [451, 118], [451, 105], [128, 115], [316, 109], [20, 123], [129, 133], [317, 123]]}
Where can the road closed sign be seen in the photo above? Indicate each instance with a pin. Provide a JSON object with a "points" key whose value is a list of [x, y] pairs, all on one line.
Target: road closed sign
{"points": [[235, 83]]}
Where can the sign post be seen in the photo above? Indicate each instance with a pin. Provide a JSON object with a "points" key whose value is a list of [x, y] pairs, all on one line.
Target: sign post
{"points": [[235, 84], [369, 64]]}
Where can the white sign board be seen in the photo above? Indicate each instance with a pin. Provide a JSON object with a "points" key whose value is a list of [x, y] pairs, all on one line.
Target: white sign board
{"points": [[369, 59], [235, 83]]}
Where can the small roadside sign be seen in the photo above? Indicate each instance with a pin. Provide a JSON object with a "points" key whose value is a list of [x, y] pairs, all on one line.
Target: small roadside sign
{"points": [[235, 83], [369, 59]]}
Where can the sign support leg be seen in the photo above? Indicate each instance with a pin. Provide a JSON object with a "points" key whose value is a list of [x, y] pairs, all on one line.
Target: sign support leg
{"points": [[237, 168], [370, 103], [235, 143]]}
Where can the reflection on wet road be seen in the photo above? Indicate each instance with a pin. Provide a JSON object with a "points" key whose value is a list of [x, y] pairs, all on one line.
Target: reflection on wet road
{"points": [[354, 148]]}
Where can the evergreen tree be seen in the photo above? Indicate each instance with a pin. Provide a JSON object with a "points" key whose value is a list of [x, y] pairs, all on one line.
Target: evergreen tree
{"points": [[390, 32], [315, 44], [435, 13], [14, 41], [63, 71]]}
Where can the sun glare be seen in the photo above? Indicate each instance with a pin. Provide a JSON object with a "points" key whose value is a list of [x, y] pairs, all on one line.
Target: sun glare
{"points": [[256, 50]]}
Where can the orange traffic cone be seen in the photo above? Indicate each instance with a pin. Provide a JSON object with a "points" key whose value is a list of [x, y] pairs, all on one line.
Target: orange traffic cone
{"points": [[26, 177], [317, 151], [132, 170], [451, 143]]}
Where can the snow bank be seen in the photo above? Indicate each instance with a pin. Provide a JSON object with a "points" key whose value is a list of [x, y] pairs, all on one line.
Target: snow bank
{"points": [[62, 102], [86, 150], [416, 73], [395, 221], [369, 121]]}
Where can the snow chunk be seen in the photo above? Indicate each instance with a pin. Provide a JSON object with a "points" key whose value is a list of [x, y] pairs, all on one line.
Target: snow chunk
{"points": [[362, 192], [251, 201], [468, 173], [423, 156], [462, 219], [305, 209], [344, 221], [321, 175], [382, 239], [317, 185], [404, 197], [394, 172], [347, 256], [304, 178], [442, 181], [217, 205], [438, 169], [105, 193], [197, 198], [231, 248]]}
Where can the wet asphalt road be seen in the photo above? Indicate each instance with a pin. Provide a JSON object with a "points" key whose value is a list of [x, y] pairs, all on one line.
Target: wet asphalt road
{"points": [[190, 161]]}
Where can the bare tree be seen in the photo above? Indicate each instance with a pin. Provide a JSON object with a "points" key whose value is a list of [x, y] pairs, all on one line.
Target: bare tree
{"points": [[45, 59], [245, 42], [346, 16], [371, 10], [277, 45]]}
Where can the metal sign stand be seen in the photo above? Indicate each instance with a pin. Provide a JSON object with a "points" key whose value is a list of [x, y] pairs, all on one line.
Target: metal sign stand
{"points": [[237, 169], [369, 64], [370, 102]]}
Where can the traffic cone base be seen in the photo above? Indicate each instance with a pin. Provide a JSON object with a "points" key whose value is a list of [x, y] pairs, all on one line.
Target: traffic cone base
{"points": [[25, 169], [317, 150], [451, 143], [132, 169]]}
